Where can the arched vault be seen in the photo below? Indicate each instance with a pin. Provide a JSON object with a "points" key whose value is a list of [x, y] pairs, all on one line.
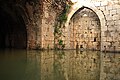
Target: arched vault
{"points": [[78, 5]]}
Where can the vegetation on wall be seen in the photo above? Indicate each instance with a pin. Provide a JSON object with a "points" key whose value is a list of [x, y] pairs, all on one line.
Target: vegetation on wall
{"points": [[59, 26]]}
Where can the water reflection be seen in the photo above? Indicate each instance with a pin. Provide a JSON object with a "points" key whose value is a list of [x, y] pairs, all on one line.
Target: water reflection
{"points": [[65, 65], [33, 67], [12, 64], [110, 66], [59, 65]]}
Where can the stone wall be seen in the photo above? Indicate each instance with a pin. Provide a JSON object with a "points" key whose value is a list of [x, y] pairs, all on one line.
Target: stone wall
{"points": [[51, 11], [48, 21], [110, 32], [22, 23], [39, 17], [108, 13], [85, 30], [34, 23]]}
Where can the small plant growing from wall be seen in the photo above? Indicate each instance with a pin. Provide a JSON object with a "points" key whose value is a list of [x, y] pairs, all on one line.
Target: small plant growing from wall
{"points": [[59, 26], [61, 44]]}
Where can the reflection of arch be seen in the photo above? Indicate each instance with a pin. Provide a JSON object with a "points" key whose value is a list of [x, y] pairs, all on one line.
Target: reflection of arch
{"points": [[91, 6]]}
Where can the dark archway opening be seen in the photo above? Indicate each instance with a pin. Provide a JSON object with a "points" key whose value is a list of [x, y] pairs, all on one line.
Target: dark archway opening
{"points": [[13, 32]]}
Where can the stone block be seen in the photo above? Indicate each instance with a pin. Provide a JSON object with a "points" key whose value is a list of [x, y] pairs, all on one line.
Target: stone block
{"points": [[116, 44], [95, 43], [105, 44], [109, 17], [108, 33], [97, 4], [103, 39], [116, 17], [109, 7], [102, 34], [102, 8], [110, 22], [110, 28], [117, 22], [118, 11], [116, 2], [115, 39], [112, 33], [109, 39], [104, 28], [107, 12], [46, 14], [112, 12], [104, 3], [119, 38]]}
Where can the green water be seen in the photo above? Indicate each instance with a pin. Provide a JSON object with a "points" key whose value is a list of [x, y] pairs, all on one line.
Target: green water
{"points": [[58, 65]]}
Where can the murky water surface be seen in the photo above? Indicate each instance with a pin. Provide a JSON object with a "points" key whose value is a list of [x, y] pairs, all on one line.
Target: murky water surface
{"points": [[59, 65]]}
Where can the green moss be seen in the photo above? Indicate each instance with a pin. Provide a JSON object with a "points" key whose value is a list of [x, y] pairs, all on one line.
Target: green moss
{"points": [[63, 18], [60, 42], [59, 25], [67, 8]]}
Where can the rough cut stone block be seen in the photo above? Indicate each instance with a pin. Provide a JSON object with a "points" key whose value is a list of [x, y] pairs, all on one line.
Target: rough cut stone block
{"points": [[112, 12], [110, 28], [110, 22], [46, 14], [112, 33], [104, 3], [117, 22], [97, 3], [103, 28], [116, 17], [109, 7], [109, 39], [107, 12], [118, 10], [102, 8], [102, 34], [105, 44], [116, 44], [109, 17], [103, 39]]}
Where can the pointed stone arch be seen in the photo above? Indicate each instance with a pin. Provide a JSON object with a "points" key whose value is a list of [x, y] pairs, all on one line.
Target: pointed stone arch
{"points": [[91, 6]]}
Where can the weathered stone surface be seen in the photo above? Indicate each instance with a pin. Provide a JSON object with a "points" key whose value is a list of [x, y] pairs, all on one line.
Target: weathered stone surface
{"points": [[87, 34], [86, 28]]}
